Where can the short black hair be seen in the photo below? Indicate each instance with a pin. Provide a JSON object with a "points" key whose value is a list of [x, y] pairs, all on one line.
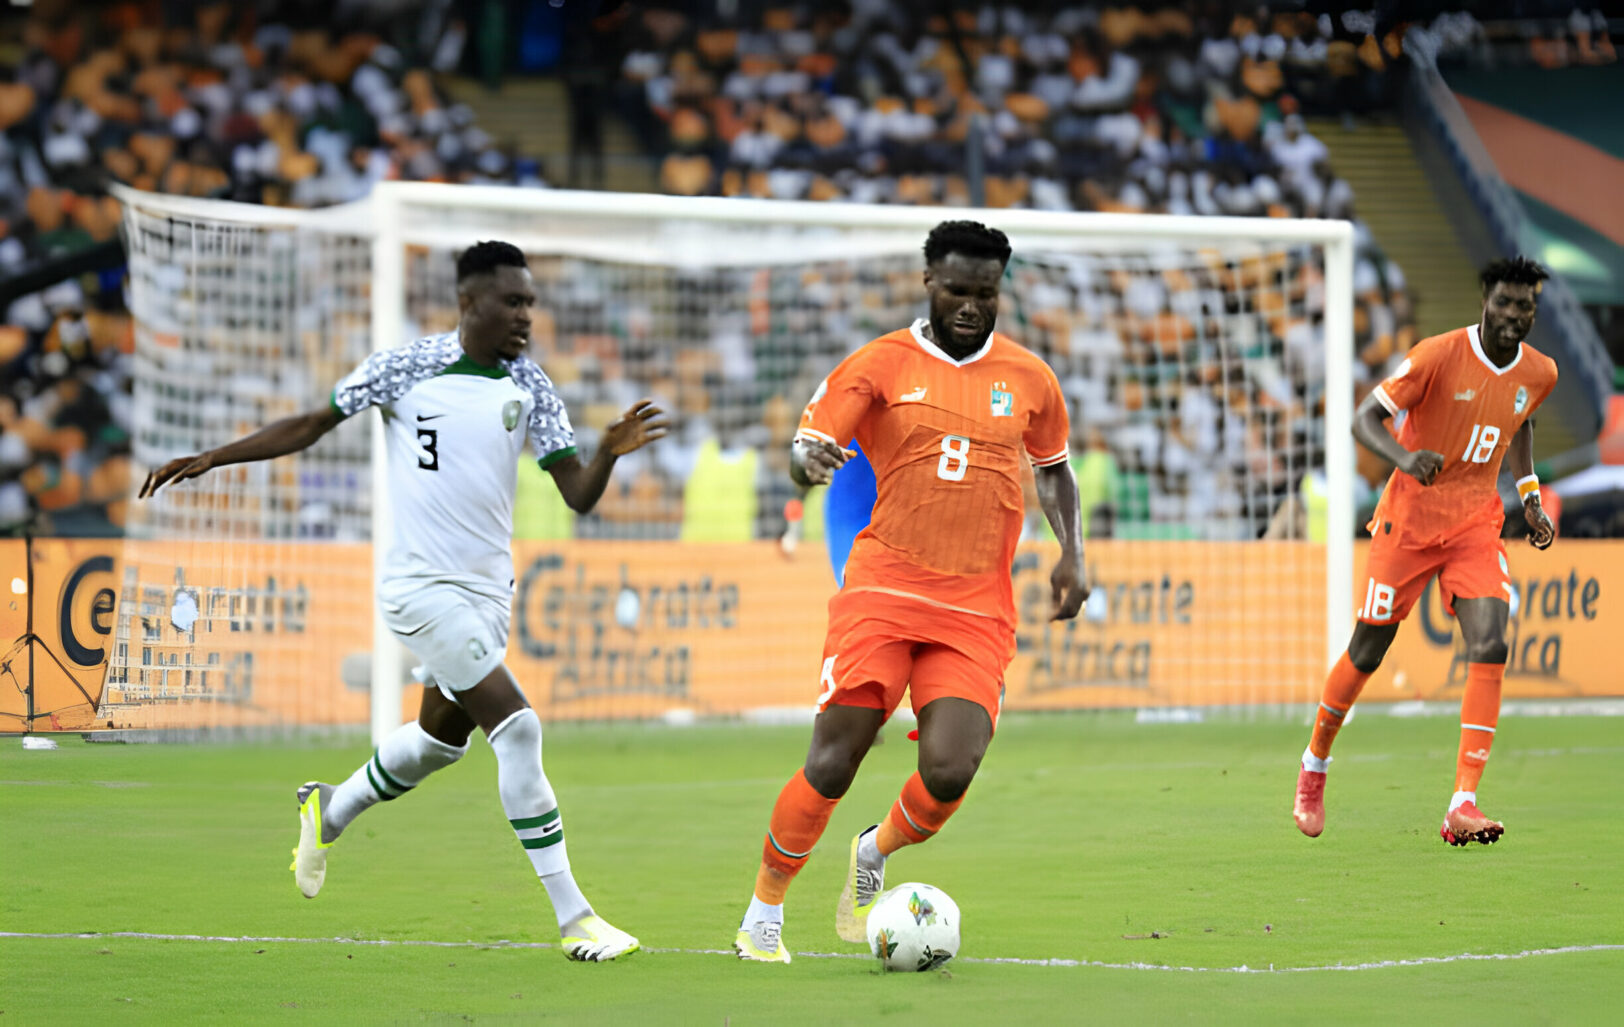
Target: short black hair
{"points": [[483, 257], [970, 238], [1518, 270]]}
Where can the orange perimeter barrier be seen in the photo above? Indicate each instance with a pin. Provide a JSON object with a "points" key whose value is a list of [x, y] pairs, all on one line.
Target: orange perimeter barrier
{"points": [[281, 634]]}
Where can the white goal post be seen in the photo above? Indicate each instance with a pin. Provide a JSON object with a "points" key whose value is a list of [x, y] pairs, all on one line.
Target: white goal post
{"points": [[385, 266]]}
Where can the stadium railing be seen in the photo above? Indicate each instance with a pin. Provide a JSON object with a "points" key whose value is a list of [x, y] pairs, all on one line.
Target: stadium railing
{"points": [[1564, 324]]}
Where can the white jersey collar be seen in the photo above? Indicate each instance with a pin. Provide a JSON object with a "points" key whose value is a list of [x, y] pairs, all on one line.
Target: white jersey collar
{"points": [[1477, 348], [917, 329]]}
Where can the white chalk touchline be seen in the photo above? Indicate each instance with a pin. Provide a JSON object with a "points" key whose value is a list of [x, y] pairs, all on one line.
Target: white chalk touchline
{"points": [[1382, 964]]}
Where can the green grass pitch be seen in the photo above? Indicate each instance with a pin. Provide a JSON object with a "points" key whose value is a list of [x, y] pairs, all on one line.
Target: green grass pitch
{"points": [[1086, 837]]}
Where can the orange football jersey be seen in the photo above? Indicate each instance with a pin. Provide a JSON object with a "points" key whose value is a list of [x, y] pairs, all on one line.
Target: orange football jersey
{"points": [[947, 440], [1462, 406]]}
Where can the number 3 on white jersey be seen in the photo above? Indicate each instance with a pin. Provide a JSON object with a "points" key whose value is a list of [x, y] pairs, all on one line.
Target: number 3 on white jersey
{"points": [[955, 458]]}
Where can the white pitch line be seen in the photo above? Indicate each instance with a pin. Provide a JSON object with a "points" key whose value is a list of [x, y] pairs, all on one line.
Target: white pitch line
{"points": [[1382, 964]]}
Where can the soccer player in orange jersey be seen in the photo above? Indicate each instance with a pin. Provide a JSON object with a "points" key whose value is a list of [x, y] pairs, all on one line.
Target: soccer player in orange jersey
{"points": [[1469, 397], [947, 411]]}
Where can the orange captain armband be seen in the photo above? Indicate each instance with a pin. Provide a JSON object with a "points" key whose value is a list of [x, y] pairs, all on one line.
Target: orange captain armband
{"points": [[1528, 486]]}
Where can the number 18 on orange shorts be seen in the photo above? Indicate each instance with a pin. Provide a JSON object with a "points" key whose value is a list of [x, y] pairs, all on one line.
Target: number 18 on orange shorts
{"points": [[1472, 565]]}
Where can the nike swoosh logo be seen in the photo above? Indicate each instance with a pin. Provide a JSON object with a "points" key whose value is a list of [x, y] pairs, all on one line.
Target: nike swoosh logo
{"points": [[430, 417]]}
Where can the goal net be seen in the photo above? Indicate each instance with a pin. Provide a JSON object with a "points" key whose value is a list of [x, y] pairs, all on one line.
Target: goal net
{"points": [[1201, 359]]}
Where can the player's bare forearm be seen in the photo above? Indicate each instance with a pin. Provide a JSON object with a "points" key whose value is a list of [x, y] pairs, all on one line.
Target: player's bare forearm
{"points": [[580, 484], [1370, 428], [1520, 455], [1057, 492], [279, 438]]}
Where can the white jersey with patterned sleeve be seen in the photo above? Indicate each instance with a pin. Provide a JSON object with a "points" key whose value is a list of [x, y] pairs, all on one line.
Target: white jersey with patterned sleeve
{"points": [[454, 432]]}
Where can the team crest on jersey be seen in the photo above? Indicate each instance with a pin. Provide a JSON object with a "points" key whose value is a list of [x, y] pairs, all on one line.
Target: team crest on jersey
{"points": [[1521, 401], [1003, 401], [510, 414]]}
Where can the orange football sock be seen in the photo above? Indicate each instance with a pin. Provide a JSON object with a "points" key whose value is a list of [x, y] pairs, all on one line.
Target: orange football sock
{"points": [[799, 817], [1479, 715], [1342, 687], [915, 816]]}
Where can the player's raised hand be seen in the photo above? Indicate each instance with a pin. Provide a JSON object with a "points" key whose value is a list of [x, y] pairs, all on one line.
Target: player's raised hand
{"points": [[1068, 589], [1423, 465], [178, 469], [642, 423], [1542, 532], [822, 459]]}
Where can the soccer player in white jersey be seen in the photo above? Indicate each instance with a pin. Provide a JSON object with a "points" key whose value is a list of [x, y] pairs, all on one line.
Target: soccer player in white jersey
{"points": [[458, 409]]}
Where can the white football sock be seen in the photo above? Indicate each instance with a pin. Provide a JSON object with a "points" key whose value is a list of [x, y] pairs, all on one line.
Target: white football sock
{"points": [[400, 764], [1460, 797], [532, 809], [868, 848], [1314, 763], [759, 911]]}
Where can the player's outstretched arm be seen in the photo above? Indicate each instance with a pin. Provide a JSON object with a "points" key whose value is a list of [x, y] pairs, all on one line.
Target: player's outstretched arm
{"points": [[1520, 455], [1057, 491], [580, 484], [1370, 428], [279, 438]]}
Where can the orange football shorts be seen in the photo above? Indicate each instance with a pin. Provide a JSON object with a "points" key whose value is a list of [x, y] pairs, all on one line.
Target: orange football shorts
{"points": [[880, 644], [1471, 565]]}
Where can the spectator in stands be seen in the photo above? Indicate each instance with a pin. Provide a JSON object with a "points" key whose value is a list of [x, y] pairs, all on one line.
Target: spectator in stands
{"points": [[1296, 153]]}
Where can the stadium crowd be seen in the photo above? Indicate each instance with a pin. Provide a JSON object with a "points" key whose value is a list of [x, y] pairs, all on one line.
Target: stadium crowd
{"points": [[302, 106], [1176, 372], [1180, 377]]}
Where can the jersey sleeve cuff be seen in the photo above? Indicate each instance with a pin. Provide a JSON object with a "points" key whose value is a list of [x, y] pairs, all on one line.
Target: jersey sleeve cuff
{"points": [[1050, 460], [1385, 400], [813, 433], [555, 456], [332, 401]]}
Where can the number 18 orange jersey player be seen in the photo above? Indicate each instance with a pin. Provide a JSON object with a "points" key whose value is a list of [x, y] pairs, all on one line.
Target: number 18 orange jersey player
{"points": [[947, 412], [1469, 397]]}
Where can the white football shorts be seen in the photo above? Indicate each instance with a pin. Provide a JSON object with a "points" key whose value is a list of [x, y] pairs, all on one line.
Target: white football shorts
{"points": [[457, 634]]}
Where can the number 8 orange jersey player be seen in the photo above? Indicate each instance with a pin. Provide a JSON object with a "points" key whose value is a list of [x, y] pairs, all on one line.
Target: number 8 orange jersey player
{"points": [[1469, 397], [947, 411]]}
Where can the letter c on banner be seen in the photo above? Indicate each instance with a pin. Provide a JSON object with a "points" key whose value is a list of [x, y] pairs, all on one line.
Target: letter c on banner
{"points": [[76, 651]]}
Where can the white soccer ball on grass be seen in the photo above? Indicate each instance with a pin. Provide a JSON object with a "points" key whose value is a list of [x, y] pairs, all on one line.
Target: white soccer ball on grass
{"points": [[913, 927]]}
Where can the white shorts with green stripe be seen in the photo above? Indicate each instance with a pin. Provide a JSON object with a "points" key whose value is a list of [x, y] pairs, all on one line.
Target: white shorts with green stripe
{"points": [[457, 634]]}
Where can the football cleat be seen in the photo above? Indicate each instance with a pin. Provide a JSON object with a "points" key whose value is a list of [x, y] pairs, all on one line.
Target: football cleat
{"points": [[1466, 824], [310, 858], [1309, 809], [762, 942], [863, 885], [592, 939]]}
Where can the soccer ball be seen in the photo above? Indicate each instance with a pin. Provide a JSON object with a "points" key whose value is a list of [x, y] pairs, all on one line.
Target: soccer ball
{"points": [[913, 927]]}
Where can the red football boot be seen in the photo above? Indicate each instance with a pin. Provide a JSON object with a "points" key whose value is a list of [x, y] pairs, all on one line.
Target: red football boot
{"points": [[1309, 810], [1466, 824]]}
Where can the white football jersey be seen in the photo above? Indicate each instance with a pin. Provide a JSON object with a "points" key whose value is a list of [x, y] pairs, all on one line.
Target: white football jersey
{"points": [[455, 431]]}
